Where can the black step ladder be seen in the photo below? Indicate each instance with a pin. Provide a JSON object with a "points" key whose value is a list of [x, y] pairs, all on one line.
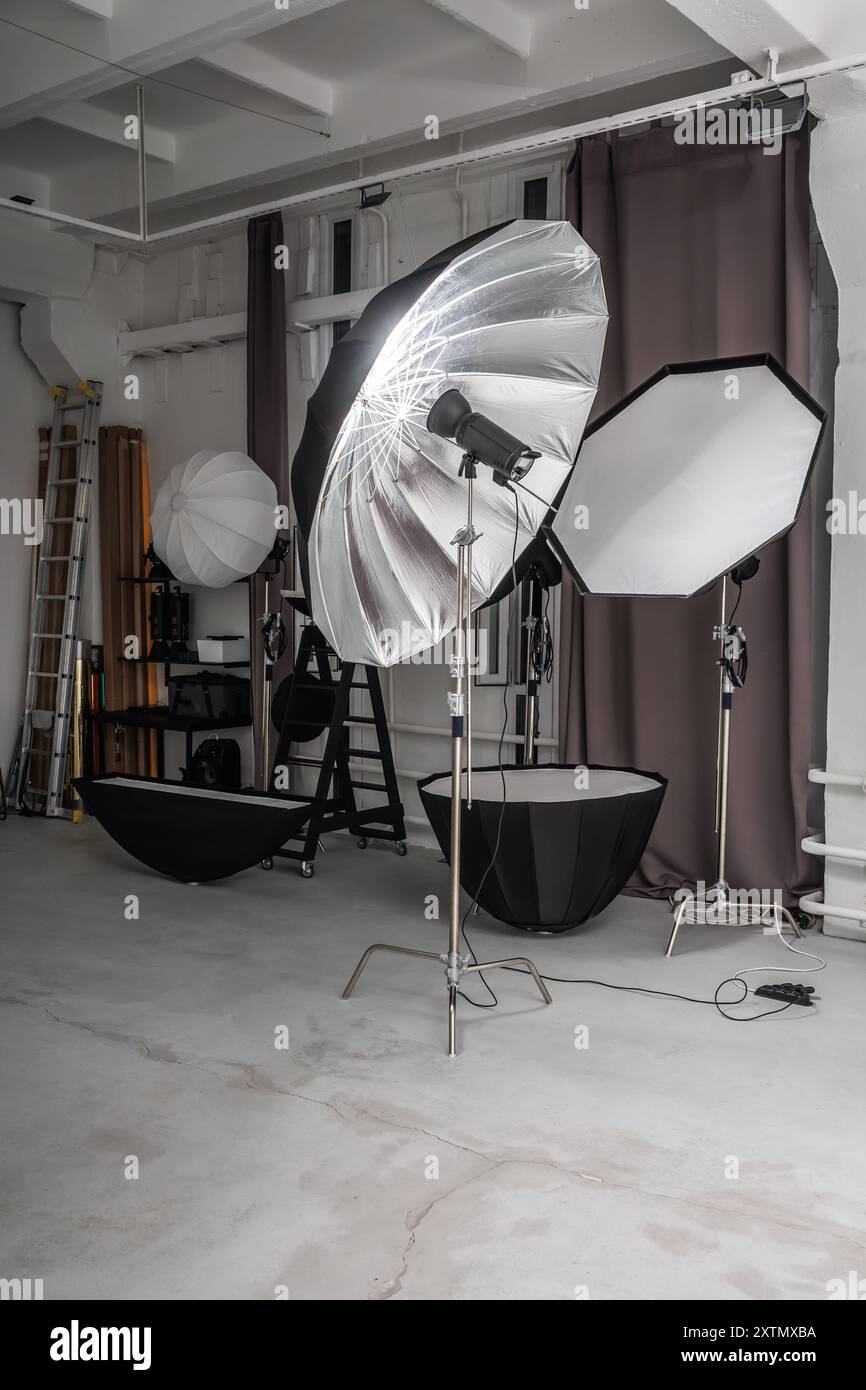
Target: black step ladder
{"points": [[333, 804]]}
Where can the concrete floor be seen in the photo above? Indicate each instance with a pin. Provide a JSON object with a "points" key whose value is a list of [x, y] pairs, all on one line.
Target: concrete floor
{"points": [[362, 1163]]}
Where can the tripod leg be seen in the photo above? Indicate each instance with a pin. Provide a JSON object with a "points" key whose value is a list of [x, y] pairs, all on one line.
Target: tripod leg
{"points": [[452, 1021], [380, 946], [507, 964], [672, 940]]}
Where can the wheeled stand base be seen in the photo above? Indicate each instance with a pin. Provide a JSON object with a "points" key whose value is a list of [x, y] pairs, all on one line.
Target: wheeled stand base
{"points": [[456, 967]]}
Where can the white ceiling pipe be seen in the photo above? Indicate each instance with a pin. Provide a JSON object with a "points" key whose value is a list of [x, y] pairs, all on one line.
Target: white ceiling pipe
{"points": [[502, 150], [381, 217], [813, 844], [484, 735]]}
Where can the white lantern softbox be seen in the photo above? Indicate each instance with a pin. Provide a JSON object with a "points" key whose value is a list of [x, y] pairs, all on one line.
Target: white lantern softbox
{"points": [[214, 519], [689, 475]]}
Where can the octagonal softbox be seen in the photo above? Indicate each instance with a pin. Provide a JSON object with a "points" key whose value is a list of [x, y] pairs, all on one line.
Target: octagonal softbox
{"points": [[571, 838], [688, 476]]}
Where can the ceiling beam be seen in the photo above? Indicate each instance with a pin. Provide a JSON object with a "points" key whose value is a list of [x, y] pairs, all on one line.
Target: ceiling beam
{"points": [[104, 125], [142, 37], [493, 18], [269, 74], [749, 33], [97, 9]]}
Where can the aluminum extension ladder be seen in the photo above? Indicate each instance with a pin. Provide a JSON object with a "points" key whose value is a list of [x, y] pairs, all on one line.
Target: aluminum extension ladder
{"points": [[46, 724]]}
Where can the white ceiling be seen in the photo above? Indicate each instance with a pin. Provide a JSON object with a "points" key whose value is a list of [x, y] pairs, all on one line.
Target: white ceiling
{"points": [[271, 93]]}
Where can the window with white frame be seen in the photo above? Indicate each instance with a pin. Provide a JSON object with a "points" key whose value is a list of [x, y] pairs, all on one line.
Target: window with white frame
{"points": [[535, 191]]}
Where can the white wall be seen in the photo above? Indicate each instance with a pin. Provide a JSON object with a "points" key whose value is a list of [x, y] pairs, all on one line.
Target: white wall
{"points": [[77, 339], [23, 407], [838, 177]]}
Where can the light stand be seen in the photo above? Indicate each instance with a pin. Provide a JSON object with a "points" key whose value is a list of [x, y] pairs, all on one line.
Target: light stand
{"points": [[274, 640], [722, 906], [533, 674], [457, 965]]}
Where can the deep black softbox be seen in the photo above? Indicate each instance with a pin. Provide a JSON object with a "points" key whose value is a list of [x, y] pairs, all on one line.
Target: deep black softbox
{"points": [[571, 838], [188, 832]]}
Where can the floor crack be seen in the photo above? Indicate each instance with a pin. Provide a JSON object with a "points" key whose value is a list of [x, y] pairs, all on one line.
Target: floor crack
{"points": [[351, 1113]]}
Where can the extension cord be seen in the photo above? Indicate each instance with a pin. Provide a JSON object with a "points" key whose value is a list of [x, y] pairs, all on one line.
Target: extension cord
{"points": [[789, 993]]}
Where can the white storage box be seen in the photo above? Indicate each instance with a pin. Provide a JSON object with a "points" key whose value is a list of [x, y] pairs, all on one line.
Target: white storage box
{"points": [[223, 649]]}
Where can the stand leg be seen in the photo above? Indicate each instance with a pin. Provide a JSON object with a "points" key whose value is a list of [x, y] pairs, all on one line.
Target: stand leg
{"points": [[507, 964], [379, 946], [452, 1021], [672, 940]]}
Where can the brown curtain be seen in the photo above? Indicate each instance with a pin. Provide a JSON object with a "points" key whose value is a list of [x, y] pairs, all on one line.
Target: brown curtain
{"points": [[123, 533], [705, 253], [267, 413]]}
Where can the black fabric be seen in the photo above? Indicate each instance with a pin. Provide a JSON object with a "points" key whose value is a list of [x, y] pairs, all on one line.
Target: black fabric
{"points": [[192, 837], [267, 415], [559, 862], [348, 365]]}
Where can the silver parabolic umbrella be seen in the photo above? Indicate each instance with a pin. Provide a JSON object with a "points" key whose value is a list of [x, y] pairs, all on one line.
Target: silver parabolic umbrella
{"points": [[517, 324]]}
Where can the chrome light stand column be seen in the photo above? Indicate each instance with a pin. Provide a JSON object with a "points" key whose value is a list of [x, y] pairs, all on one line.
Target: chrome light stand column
{"points": [[267, 683], [457, 965], [533, 618], [723, 906]]}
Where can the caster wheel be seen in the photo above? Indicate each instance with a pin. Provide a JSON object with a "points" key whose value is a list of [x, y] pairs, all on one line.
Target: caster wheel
{"points": [[402, 848], [267, 863], [361, 842], [307, 870]]}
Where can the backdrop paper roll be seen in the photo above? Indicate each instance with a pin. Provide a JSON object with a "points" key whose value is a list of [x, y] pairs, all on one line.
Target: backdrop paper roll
{"points": [[214, 518]]}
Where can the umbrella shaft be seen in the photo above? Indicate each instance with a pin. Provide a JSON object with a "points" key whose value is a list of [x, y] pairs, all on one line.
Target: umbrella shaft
{"points": [[460, 713]]}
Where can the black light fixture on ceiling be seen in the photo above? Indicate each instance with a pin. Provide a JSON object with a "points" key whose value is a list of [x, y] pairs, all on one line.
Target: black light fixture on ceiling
{"points": [[373, 196], [776, 114]]}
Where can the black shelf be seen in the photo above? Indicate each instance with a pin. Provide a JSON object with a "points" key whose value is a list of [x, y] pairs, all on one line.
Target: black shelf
{"points": [[161, 719], [162, 723], [142, 579], [176, 661]]}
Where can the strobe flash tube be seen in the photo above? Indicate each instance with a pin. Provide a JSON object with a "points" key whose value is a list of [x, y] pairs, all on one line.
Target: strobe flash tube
{"points": [[452, 417]]}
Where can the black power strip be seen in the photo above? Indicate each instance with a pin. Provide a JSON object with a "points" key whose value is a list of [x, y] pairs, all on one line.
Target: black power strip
{"points": [[788, 993]]}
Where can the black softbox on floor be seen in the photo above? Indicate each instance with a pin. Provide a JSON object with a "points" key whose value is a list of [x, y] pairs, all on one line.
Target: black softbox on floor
{"points": [[571, 838], [191, 833]]}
